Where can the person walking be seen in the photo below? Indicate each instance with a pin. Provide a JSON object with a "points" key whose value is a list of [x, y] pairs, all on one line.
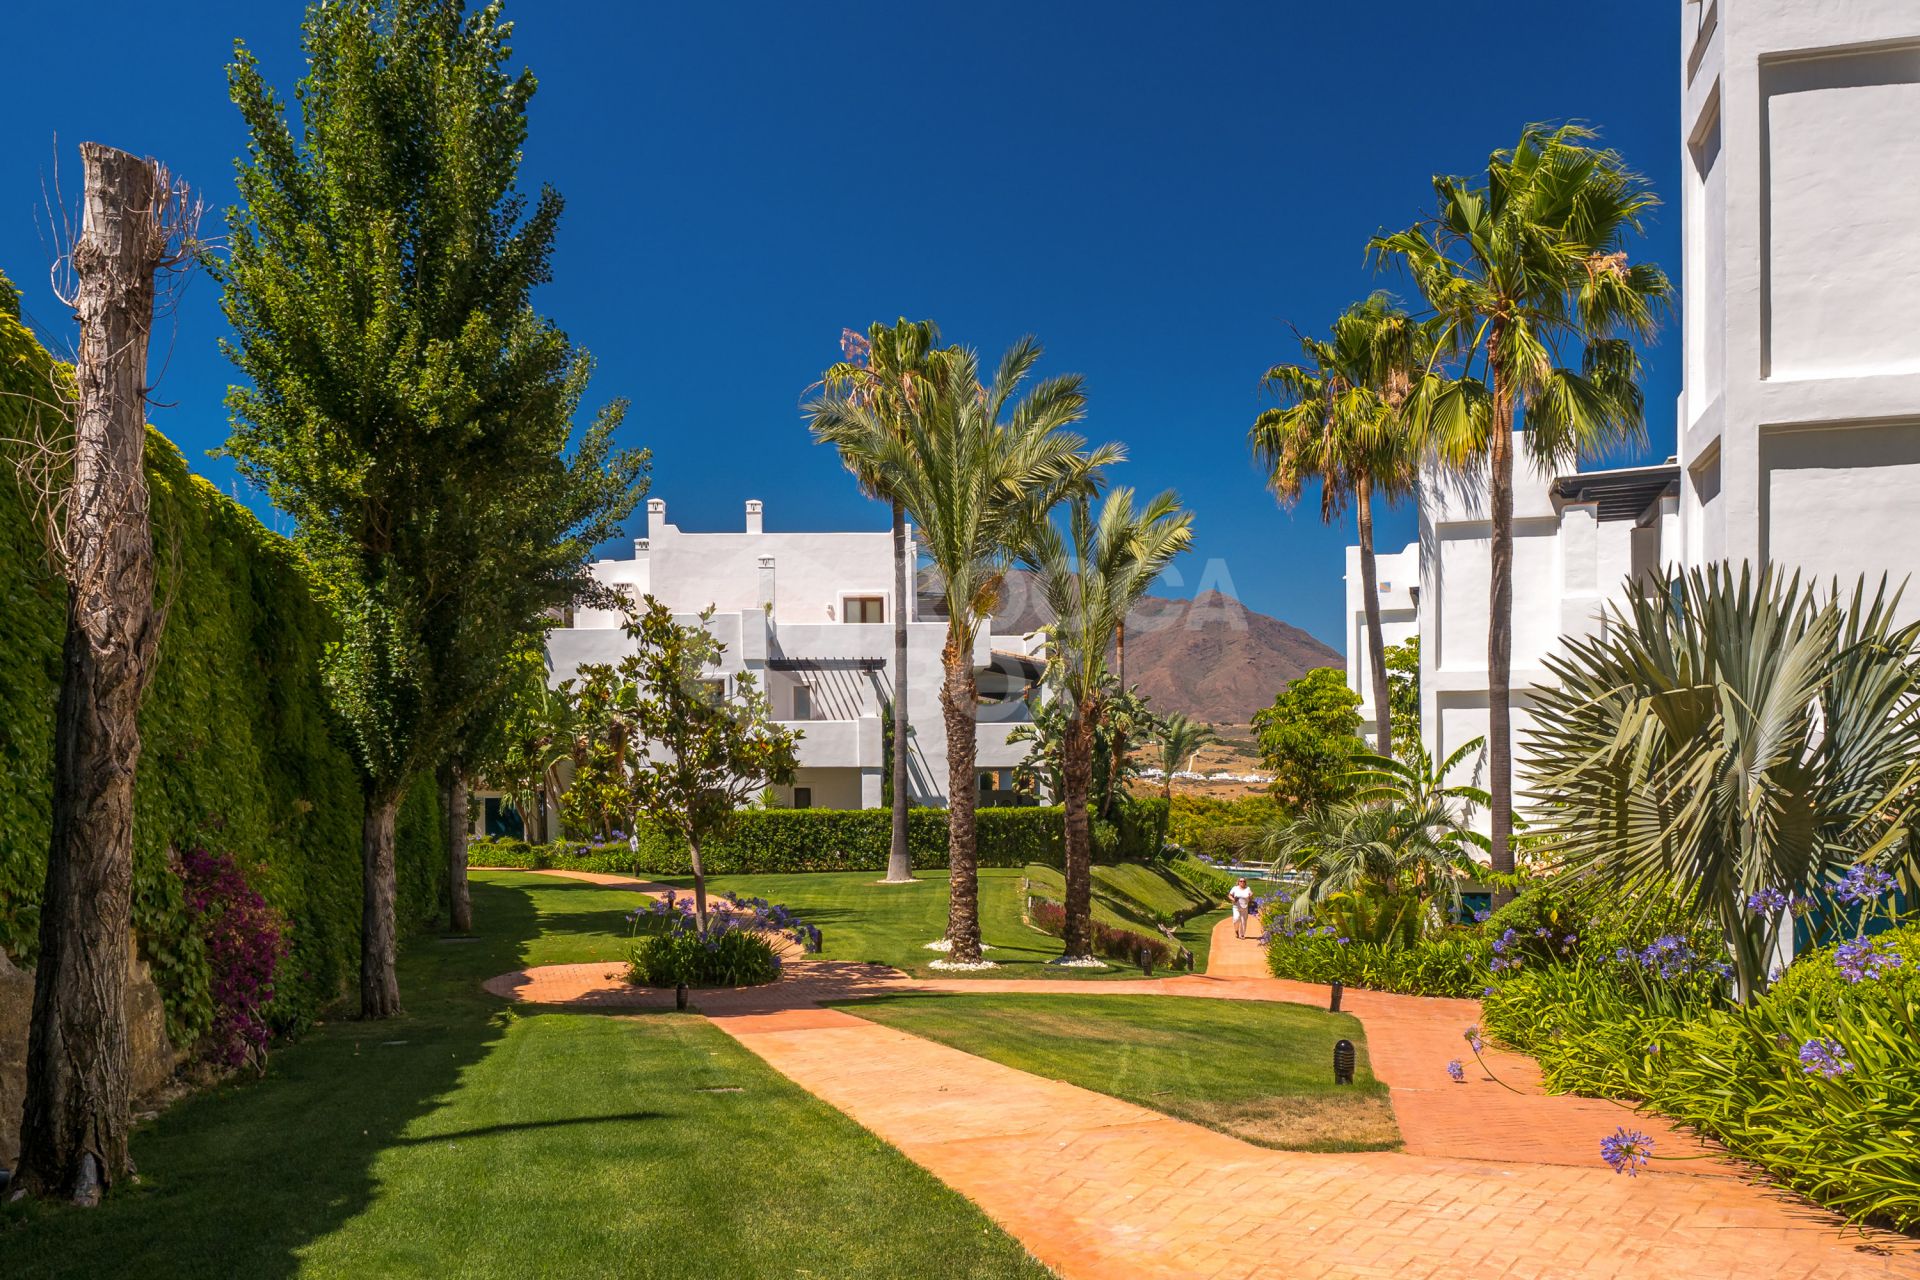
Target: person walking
{"points": [[1242, 899]]}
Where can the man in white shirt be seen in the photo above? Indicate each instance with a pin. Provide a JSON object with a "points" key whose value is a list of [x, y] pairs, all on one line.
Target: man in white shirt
{"points": [[1241, 897]]}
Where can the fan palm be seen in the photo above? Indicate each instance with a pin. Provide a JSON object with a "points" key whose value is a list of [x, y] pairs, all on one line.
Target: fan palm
{"points": [[1091, 575], [1528, 276], [891, 370], [1376, 849], [1341, 422], [1726, 737], [1180, 740], [978, 467]]}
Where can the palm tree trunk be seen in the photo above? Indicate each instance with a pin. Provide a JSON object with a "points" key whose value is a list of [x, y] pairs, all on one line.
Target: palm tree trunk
{"points": [[453, 790], [1500, 633], [379, 939], [899, 861], [1117, 762], [75, 1120], [957, 700], [1376, 651], [1076, 777]]}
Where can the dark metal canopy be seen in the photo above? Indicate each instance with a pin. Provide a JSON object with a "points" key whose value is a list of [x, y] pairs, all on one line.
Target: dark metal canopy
{"points": [[826, 664], [1624, 493]]}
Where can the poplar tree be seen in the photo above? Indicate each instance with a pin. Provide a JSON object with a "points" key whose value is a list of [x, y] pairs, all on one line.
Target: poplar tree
{"points": [[405, 403]]}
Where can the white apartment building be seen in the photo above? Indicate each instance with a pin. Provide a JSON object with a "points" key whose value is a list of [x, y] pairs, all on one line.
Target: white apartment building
{"points": [[810, 616], [1797, 432]]}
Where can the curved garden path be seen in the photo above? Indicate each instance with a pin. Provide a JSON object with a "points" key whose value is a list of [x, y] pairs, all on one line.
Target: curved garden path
{"points": [[1491, 1182]]}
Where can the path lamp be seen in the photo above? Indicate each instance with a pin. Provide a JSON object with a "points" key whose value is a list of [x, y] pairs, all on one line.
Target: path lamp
{"points": [[680, 997], [1343, 1062], [1333, 1006]]}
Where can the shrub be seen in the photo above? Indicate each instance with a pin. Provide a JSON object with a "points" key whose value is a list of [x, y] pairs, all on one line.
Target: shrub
{"points": [[1208, 882], [1221, 829], [1450, 962], [1115, 944], [730, 958], [1815, 1081], [244, 940]]}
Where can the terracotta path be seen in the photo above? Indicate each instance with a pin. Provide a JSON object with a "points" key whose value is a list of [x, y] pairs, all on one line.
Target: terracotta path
{"points": [[1492, 1183]]}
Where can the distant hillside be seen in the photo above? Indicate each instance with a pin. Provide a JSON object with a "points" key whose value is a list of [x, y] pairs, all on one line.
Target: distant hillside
{"points": [[1211, 657]]}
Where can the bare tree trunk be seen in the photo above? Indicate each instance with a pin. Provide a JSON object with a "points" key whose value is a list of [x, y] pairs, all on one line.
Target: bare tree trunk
{"points": [[1076, 777], [1500, 634], [73, 1140], [899, 861], [699, 883], [963, 905], [1377, 654], [379, 938], [453, 790]]}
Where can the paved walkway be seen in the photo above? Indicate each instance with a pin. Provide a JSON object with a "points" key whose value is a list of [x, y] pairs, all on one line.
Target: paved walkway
{"points": [[1492, 1183]]}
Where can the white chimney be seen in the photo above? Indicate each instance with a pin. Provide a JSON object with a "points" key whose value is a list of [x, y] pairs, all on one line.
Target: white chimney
{"points": [[766, 580], [656, 516], [753, 515]]}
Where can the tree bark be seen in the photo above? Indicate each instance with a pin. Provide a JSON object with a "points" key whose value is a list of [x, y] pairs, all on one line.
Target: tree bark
{"points": [[1117, 762], [699, 883], [453, 792], [1076, 777], [379, 939], [1377, 654], [73, 1140], [958, 699], [1500, 632], [899, 861]]}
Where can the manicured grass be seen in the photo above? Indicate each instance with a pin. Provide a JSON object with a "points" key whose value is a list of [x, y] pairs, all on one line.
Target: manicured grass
{"points": [[472, 1138], [1262, 1072], [861, 920], [1131, 895]]}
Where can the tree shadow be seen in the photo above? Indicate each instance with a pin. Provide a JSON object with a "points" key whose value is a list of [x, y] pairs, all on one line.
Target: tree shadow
{"points": [[237, 1180]]}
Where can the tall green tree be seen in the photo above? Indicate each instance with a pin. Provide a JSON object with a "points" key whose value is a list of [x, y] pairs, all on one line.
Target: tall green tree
{"points": [[1180, 741], [404, 401], [1341, 422], [1403, 692], [978, 467], [892, 370], [1310, 738], [1091, 574], [1726, 736], [1527, 272]]}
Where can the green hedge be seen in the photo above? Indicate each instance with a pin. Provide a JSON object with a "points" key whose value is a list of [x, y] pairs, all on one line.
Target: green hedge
{"points": [[239, 752], [782, 841]]}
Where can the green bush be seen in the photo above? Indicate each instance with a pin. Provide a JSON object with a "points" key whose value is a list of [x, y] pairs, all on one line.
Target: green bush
{"points": [[1451, 962], [239, 751], [1210, 883], [726, 958], [1842, 1133], [1223, 830]]}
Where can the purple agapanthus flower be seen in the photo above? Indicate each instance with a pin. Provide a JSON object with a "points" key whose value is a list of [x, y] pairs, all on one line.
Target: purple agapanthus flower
{"points": [[1481, 916], [1768, 902], [1824, 1058], [1862, 884], [1626, 1151], [1458, 1072], [1472, 1035], [1864, 960]]}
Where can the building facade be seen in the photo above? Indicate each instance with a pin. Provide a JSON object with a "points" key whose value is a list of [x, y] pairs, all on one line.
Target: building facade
{"points": [[1797, 431], [810, 616]]}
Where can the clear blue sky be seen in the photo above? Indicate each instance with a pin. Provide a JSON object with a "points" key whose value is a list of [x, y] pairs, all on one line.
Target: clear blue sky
{"points": [[1155, 190]]}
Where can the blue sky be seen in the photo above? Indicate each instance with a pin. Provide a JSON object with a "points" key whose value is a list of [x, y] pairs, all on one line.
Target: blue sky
{"points": [[1156, 191]]}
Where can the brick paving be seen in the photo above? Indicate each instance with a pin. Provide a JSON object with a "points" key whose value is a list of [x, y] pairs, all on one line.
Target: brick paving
{"points": [[1491, 1183]]}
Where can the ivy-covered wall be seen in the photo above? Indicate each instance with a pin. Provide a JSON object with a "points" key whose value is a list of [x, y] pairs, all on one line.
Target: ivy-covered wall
{"points": [[239, 750]]}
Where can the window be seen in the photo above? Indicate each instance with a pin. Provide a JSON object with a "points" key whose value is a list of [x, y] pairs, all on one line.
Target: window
{"points": [[714, 689], [865, 609], [803, 797], [802, 702]]}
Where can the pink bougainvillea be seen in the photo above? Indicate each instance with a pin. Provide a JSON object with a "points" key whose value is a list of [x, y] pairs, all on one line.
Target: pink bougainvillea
{"points": [[245, 940]]}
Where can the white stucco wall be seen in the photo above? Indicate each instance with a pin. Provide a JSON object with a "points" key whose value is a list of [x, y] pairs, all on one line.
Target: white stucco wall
{"points": [[1398, 576]]}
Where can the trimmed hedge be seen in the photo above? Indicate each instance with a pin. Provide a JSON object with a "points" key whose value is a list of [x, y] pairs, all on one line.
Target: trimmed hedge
{"points": [[786, 841], [239, 754]]}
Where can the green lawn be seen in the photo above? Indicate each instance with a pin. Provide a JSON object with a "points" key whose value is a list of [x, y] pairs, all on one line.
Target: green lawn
{"points": [[1262, 1072], [471, 1138], [861, 919]]}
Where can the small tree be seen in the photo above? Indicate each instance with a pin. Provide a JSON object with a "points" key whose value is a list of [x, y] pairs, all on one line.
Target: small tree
{"points": [[1180, 741], [1403, 695], [1309, 738], [702, 754]]}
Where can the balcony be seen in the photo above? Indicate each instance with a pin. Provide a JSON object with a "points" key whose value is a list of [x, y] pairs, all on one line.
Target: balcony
{"points": [[837, 744]]}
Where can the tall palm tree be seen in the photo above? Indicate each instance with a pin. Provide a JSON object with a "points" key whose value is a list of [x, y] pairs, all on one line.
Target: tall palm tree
{"points": [[1091, 575], [1527, 273], [1180, 740], [1341, 422], [892, 370], [978, 467]]}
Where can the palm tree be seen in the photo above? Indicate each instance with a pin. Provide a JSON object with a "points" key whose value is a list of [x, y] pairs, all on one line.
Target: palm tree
{"points": [[1180, 740], [891, 370], [1341, 422], [1091, 575], [1528, 277], [1723, 738], [1419, 846], [978, 468]]}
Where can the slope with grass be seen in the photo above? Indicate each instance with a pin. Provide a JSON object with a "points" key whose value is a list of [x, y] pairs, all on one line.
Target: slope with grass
{"points": [[863, 920], [472, 1139], [1259, 1071]]}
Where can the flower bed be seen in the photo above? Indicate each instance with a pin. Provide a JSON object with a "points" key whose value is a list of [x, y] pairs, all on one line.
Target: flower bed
{"points": [[741, 947]]}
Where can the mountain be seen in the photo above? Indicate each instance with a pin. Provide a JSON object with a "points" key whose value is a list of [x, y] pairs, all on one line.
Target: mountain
{"points": [[1211, 657]]}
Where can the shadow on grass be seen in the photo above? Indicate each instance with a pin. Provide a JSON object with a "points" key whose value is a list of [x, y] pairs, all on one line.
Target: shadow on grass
{"points": [[237, 1180]]}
